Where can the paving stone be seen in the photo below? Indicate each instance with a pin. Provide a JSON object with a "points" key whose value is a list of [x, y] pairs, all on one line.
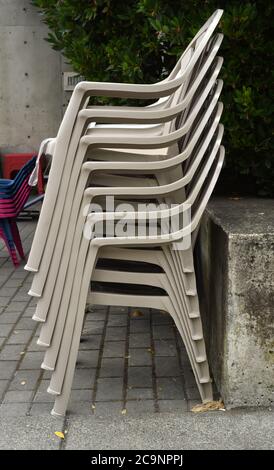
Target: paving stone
{"points": [[112, 367], [95, 316], [189, 378], [109, 389], [81, 395], [93, 328], [13, 283], [115, 333], [117, 320], [29, 312], [84, 378], [4, 301], [25, 323], [170, 388], [114, 349], [167, 367], [42, 396], [2, 340], [40, 409], [20, 337], [14, 409], [139, 326], [108, 410], [5, 330], [165, 347], [19, 274], [192, 393], [139, 340], [170, 406], [3, 386], [140, 377], [7, 291], [87, 359], [32, 360], [139, 394], [140, 357], [139, 407], [80, 408], [18, 396], [162, 318], [9, 318], [11, 352], [21, 296], [33, 346], [163, 332], [7, 369], [25, 380], [118, 310], [90, 342], [17, 306]]}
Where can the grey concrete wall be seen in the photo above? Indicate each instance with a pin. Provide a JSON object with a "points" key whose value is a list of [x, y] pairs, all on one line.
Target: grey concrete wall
{"points": [[236, 253], [31, 97]]}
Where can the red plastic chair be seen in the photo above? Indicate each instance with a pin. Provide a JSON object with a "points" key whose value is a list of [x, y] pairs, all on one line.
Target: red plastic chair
{"points": [[13, 162]]}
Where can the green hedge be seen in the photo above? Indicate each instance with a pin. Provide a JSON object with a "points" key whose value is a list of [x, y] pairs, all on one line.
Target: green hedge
{"points": [[140, 40]]}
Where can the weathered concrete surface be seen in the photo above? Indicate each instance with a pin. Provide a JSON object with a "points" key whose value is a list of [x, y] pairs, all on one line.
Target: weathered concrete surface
{"points": [[236, 249], [163, 431], [31, 98]]}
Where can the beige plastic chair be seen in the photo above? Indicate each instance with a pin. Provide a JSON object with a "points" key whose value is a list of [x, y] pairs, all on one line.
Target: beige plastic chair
{"points": [[52, 352], [57, 334], [58, 179], [49, 248], [54, 303], [72, 198], [73, 328], [58, 289], [47, 300], [43, 303]]}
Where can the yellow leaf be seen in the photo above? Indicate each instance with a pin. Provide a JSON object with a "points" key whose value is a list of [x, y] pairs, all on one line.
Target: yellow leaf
{"points": [[23, 382], [93, 407], [137, 313], [209, 406], [59, 434], [124, 411]]}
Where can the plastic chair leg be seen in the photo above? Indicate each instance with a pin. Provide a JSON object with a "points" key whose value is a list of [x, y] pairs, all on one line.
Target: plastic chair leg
{"points": [[10, 245], [17, 238]]}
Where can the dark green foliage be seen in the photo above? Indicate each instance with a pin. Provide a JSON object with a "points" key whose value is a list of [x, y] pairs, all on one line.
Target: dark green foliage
{"points": [[140, 40]]}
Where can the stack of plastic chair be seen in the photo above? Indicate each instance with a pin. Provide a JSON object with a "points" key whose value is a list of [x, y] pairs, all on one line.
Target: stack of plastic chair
{"points": [[168, 152], [13, 195]]}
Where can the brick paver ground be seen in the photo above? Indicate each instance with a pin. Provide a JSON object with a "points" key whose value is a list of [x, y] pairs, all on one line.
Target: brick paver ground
{"points": [[129, 359]]}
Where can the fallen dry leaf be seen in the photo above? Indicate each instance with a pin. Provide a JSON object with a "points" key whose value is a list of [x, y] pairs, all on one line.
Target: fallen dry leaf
{"points": [[209, 406], [151, 351], [59, 434], [124, 411], [23, 382], [136, 313], [93, 407]]}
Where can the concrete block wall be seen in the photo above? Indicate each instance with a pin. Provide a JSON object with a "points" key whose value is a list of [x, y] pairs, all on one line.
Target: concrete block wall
{"points": [[31, 95], [236, 283]]}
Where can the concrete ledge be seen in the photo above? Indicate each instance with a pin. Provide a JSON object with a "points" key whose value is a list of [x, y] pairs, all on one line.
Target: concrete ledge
{"points": [[236, 282]]}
